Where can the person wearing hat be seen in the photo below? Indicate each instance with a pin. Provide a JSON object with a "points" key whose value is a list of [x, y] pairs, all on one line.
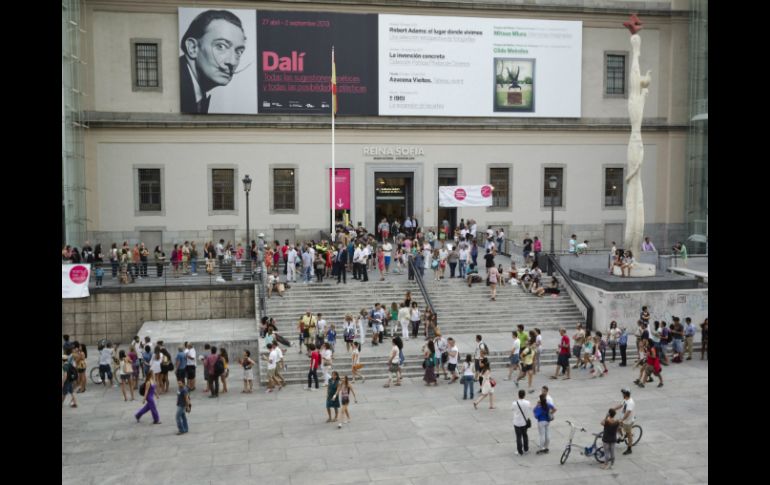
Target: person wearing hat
{"points": [[628, 417]]}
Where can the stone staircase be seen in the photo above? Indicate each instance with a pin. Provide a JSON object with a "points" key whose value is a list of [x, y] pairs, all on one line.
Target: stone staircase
{"points": [[469, 310], [335, 301]]}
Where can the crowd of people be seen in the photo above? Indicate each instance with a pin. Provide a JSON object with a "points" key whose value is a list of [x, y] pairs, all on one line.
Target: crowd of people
{"points": [[129, 264]]}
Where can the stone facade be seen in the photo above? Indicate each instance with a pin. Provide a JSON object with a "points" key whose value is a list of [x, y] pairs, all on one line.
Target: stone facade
{"points": [[118, 316]]}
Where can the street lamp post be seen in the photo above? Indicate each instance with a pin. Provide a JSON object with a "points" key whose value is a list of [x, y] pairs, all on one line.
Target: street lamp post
{"points": [[552, 182], [247, 188]]}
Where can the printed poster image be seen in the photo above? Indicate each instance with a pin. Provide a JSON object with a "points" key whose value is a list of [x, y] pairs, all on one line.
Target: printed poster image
{"points": [[295, 62], [514, 85], [217, 61]]}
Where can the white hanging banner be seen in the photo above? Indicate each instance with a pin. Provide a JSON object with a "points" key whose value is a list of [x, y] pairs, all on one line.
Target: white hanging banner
{"points": [[465, 196], [74, 280]]}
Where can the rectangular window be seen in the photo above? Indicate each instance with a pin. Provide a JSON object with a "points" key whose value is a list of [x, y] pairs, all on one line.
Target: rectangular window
{"points": [[553, 196], [498, 178], [613, 187], [615, 80], [283, 189], [222, 189], [149, 189], [146, 68]]}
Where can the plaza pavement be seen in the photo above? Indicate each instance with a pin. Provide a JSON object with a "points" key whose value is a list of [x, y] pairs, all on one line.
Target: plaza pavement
{"points": [[403, 435]]}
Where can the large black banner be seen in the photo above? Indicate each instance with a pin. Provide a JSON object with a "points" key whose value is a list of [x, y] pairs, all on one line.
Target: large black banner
{"points": [[295, 62]]}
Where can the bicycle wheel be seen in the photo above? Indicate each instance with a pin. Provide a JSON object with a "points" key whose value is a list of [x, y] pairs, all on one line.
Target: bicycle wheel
{"points": [[636, 434], [565, 455], [95, 377], [599, 447]]}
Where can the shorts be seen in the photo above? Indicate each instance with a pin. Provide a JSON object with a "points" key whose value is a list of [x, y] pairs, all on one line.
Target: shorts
{"points": [[270, 374], [650, 370], [563, 361], [387, 260], [452, 367], [81, 371], [125, 378], [181, 374], [444, 357], [477, 365], [105, 370], [514, 359], [190, 371], [345, 401], [67, 388], [678, 346], [394, 368], [627, 427], [526, 368], [576, 350]]}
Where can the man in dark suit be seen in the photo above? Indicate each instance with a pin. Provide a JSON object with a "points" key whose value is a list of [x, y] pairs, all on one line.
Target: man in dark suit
{"points": [[212, 46], [340, 261]]}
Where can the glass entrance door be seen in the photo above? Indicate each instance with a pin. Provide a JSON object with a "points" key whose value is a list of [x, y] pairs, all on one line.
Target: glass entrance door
{"points": [[393, 197]]}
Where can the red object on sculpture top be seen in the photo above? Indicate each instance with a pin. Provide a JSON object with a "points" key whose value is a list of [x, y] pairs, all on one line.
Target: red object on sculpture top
{"points": [[634, 25]]}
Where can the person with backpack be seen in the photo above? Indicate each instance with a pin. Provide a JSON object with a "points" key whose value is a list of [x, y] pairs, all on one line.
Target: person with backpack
{"points": [[69, 377], [150, 392]]}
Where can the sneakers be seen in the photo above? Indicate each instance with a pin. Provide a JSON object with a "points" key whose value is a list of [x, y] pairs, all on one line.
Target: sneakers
{"points": [[627, 452], [660, 385]]}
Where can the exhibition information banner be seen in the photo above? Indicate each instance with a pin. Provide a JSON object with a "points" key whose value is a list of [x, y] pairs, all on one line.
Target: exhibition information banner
{"points": [[341, 189], [465, 196], [295, 62], [463, 66], [74, 280]]}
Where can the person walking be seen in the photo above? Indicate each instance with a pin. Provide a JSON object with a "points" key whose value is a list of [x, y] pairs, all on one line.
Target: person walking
{"points": [[493, 276], [468, 378], [183, 406], [704, 338], [429, 364], [527, 367], [522, 410], [344, 392], [69, 377], [357, 365], [544, 412], [150, 398], [487, 385], [415, 318], [315, 362], [513, 363], [563, 359], [332, 399]]}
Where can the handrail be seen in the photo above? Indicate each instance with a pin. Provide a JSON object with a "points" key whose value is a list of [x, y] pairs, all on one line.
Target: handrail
{"points": [[576, 291], [421, 284]]}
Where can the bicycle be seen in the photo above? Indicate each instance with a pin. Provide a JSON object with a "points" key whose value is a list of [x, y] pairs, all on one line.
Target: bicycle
{"points": [[94, 374], [595, 451], [636, 433]]}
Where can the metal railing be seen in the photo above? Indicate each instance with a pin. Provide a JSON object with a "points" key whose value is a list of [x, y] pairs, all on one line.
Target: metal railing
{"points": [[421, 284], [575, 291], [172, 274]]}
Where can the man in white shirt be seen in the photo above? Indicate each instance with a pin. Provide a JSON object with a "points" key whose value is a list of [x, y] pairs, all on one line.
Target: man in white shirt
{"points": [[454, 354], [291, 264], [441, 351], [628, 417], [522, 410], [363, 254], [279, 365], [376, 318], [464, 255], [473, 230], [190, 355], [321, 331], [387, 250], [105, 363], [514, 358]]}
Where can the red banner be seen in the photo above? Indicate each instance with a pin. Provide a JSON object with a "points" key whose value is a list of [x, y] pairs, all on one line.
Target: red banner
{"points": [[342, 189]]}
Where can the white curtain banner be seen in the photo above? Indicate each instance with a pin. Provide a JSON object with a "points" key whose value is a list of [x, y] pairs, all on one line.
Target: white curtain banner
{"points": [[465, 196], [74, 280]]}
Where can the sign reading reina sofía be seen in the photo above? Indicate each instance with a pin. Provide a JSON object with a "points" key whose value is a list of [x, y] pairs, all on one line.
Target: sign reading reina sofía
{"points": [[463, 66]]}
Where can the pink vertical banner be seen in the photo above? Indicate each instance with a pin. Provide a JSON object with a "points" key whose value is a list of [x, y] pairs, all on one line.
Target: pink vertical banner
{"points": [[342, 189]]}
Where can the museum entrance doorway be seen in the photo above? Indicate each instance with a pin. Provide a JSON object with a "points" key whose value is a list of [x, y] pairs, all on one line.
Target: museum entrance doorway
{"points": [[393, 197]]}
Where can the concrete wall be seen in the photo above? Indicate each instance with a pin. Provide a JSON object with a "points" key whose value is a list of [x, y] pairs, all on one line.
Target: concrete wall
{"points": [[625, 307], [600, 261], [119, 315]]}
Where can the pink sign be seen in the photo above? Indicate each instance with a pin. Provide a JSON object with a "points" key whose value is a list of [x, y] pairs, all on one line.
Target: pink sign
{"points": [[486, 191], [341, 188], [79, 274], [460, 194]]}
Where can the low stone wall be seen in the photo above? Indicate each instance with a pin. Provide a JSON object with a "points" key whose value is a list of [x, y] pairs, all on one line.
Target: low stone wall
{"points": [[118, 313]]}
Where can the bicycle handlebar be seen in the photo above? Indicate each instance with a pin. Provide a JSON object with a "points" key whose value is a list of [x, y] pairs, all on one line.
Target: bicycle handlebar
{"points": [[570, 423]]}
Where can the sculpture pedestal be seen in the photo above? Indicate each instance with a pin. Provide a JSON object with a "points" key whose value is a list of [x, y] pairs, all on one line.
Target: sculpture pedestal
{"points": [[515, 98], [639, 270]]}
